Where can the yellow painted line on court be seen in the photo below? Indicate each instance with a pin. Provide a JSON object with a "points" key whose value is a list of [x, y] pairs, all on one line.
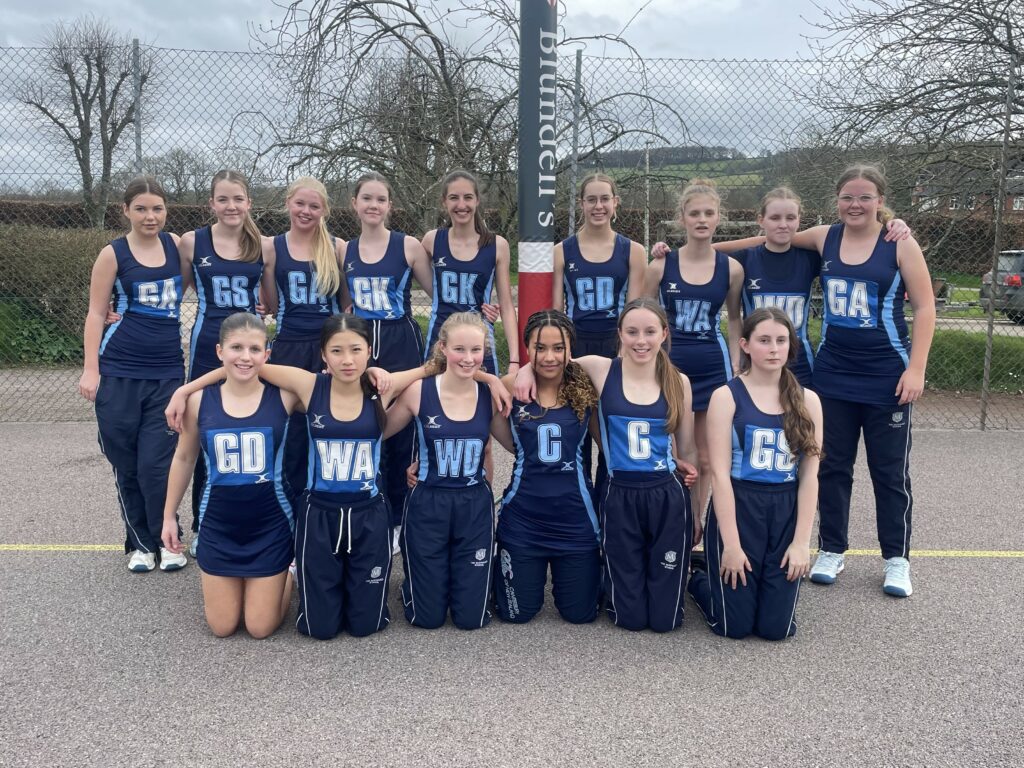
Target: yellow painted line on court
{"points": [[61, 547], [947, 553]]}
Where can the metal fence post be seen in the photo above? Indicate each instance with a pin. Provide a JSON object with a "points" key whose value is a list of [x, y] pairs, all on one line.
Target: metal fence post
{"points": [[997, 245], [577, 89], [137, 77], [647, 195]]}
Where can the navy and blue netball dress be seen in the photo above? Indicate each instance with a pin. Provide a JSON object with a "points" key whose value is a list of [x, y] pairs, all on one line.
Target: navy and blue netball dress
{"points": [[595, 293], [461, 286], [245, 522], [864, 350], [783, 280], [694, 313], [448, 526], [764, 485], [223, 286], [343, 531], [646, 523], [382, 294], [547, 518], [301, 313], [141, 365]]}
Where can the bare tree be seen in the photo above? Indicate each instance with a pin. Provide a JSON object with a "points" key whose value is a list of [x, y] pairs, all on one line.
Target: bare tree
{"points": [[86, 94], [926, 83], [415, 89]]}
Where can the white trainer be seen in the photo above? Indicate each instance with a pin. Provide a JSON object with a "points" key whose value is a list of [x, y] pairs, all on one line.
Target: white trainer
{"points": [[171, 561], [194, 544], [827, 567], [897, 577], [141, 562]]}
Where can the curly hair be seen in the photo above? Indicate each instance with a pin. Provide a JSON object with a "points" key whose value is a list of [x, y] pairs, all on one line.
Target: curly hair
{"points": [[576, 389]]}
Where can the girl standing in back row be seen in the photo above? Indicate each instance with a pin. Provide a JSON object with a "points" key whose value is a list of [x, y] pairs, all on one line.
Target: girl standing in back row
{"points": [[596, 271], [379, 267], [867, 373], [692, 285], [133, 368]]}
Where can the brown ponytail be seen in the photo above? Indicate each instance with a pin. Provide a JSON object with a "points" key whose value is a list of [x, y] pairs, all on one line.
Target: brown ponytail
{"points": [[666, 374], [796, 420], [250, 242], [486, 237]]}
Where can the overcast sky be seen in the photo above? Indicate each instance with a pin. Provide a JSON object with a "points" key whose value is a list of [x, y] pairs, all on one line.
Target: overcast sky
{"points": [[733, 29]]}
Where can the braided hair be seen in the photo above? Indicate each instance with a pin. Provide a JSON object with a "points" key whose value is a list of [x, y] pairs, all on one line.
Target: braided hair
{"points": [[576, 389]]}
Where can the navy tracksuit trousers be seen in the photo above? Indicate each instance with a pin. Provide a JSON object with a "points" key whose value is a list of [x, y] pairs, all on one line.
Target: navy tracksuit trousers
{"points": [[447, 549], [135, 438], [887, 440], [766, 606], [521, 573], [647, 533], [343, 566]]}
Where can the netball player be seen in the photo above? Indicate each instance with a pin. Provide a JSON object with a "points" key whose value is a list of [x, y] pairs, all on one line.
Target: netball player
{"points": [[447, 526], [547, 437], [379, 266], [469, 262], [305, 262], [596, 271], [245, 517], [132, 368], [764, 436], [692, 285], [867, 372]]}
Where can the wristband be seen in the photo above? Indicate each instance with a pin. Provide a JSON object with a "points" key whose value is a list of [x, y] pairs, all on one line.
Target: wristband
{"points": [[513, 361]]}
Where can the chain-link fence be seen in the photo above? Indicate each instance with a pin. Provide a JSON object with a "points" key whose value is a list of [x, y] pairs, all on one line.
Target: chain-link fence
{"points": [[653, 125]]}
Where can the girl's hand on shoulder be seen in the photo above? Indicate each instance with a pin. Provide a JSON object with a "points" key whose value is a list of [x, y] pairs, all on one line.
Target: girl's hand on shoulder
{"points": [[910, 387], [897, 229], [525, 389], [797, 561], [88, 384], [500, 396], [175, 410], [491, 312], [659, 250], [380, 379], [735, 567]]}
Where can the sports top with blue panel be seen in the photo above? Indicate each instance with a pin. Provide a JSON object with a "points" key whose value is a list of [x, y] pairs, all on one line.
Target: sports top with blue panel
{"points": [[595, 293], [301, 310], [694, 319], [146, 342], [636, 442], [864, 335], [548, 503], [223, 287], [381, 290], [460, 286], [783, 280], [245, 517], [760, 453], [344, 456], [451, 451]]}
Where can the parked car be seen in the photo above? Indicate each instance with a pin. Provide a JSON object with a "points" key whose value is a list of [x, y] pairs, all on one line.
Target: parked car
{"points": [[1004, 290]]}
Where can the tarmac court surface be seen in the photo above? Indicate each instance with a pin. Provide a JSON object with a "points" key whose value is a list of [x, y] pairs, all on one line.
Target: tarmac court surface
{"points": [[102, 667]]}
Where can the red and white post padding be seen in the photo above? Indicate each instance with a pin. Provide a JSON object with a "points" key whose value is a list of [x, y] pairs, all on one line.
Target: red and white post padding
{"points": [[536, 264]]}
